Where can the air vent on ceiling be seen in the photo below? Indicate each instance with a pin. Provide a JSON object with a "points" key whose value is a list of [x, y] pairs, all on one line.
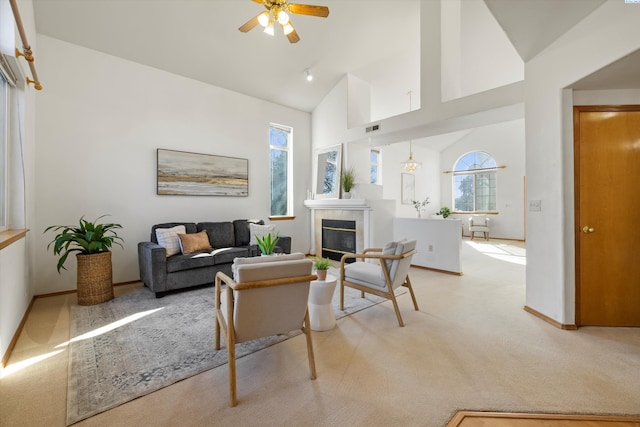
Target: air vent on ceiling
{"points": [[372, 128]]}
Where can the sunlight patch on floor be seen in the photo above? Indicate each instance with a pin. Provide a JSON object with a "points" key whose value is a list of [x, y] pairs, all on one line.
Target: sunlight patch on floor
{"points": [[501, 251], [110, 327], [15, 367]]}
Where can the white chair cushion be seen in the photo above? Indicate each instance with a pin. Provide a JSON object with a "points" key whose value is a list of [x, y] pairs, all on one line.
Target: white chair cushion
{"points": [[366, 274], [262, 259]]}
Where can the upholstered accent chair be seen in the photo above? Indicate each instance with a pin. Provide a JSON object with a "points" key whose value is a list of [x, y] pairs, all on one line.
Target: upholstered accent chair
{"points": [[479, 224], [267, 296], [380, 278]]}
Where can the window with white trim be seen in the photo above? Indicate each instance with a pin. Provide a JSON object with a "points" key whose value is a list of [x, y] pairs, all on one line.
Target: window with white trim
{"points": [[375, 166], [280, 141], [474, 183]]}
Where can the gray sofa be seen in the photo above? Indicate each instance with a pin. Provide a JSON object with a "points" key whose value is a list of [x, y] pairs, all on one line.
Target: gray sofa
{"points": [[161, 273]]}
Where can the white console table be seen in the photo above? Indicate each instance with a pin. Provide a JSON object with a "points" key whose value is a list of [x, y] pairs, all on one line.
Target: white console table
{"points": [[439, 242]]}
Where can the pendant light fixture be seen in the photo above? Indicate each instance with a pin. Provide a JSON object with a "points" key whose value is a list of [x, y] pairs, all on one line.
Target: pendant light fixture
{"points": [[410, 165]]}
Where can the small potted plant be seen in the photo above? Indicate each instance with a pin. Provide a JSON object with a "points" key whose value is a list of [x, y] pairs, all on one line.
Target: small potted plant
{"points": [[92, 241], [321, 265], [444, 211], [347, 180], [267, 243]]}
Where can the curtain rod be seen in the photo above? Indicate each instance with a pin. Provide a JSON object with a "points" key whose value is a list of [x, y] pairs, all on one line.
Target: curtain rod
{"points": [[28, 55], [477, 170]]}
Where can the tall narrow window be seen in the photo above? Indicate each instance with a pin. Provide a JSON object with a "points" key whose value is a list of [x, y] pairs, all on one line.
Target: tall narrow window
{"points": [[280, 170], [375, 166], [474, 183]]}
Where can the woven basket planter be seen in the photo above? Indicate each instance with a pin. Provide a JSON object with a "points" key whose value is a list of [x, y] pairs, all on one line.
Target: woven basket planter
{"points": [[95, 283]]}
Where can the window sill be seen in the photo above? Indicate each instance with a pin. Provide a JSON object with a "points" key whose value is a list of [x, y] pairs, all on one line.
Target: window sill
{"points": [[8, 237], [476, 213], [281, 218]]}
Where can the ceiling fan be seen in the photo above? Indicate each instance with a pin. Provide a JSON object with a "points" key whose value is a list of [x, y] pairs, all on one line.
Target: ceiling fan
{"points": [[278, 12]]}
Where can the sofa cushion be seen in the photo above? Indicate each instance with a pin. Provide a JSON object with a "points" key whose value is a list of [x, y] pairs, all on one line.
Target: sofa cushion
{"points": [[220, 233], [227, 255], [242, 232], [194, 242], [168, 238], [187, 262], [260, 231], [190, 227]]}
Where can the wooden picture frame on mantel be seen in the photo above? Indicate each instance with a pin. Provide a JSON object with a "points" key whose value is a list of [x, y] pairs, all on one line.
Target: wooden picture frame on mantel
{"points": [[408, 188], [327, 170]]}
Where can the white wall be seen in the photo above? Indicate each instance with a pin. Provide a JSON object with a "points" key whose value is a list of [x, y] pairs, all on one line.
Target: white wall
{"points": [[427, 178], [505, 142], [476, 53], [100, 121], [606, 35], [607, 97]]}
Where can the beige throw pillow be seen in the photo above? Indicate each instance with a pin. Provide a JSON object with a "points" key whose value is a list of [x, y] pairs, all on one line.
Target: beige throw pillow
{"points": [[168, 238], [194, 242]]}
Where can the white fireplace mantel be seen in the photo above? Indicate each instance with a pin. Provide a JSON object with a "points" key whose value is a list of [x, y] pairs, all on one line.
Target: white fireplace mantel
{"points": [[350, 204]]}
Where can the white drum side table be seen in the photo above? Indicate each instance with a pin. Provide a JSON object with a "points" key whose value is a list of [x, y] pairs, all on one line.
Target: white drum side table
{"points": [[320, 308]]}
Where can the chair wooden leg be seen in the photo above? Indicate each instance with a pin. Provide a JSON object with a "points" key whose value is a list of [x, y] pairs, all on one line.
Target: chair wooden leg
{"points": [[342, 294], [231, 348], [407, 284], [392, 297], [307, 332], [217, 329]]}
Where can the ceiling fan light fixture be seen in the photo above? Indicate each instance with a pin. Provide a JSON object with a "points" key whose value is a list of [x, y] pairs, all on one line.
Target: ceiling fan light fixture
{"points": [[263, 19], [269, 29], [283, 17]]}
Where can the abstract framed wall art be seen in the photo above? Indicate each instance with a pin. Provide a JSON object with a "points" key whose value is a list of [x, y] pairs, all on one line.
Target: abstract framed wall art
{"points": [[193, 174]]}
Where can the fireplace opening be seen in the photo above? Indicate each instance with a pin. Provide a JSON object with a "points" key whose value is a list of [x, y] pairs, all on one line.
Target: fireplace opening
{"points": [[338, 238]]}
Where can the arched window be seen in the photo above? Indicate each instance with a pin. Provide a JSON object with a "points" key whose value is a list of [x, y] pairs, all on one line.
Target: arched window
{"points": [[474, 183]]}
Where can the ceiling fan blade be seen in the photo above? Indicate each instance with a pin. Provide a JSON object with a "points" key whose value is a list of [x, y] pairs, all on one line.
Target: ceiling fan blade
{"points": [[308, 9], [293, 36], [250, 24]]}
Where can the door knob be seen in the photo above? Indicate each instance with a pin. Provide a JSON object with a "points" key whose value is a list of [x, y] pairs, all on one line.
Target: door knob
{"points": [[586, 229]]}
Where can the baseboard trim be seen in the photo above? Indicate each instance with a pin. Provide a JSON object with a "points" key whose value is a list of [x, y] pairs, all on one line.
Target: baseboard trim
{"points": [[16, 335], [566, 327], [437, 270], [73, 291]]}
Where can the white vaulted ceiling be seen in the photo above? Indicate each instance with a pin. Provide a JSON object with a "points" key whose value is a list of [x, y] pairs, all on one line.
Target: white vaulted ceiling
{"points": [[199, 39]]}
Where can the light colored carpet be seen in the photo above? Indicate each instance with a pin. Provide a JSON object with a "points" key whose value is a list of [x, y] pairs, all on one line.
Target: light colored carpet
{"points": [[137, 344], [470, 347]]}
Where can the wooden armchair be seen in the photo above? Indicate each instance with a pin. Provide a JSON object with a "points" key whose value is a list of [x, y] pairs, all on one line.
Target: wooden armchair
{"points": [[380, 278], [264, 299]]}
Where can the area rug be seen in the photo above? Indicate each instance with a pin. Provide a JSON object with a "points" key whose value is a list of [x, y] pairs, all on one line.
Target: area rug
{"points": [[136, 344]]}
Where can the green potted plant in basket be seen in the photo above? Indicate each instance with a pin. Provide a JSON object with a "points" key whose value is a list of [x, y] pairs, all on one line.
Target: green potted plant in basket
{"points": [[267, 243], [321, 265], [93, 242], [347, 180]]}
